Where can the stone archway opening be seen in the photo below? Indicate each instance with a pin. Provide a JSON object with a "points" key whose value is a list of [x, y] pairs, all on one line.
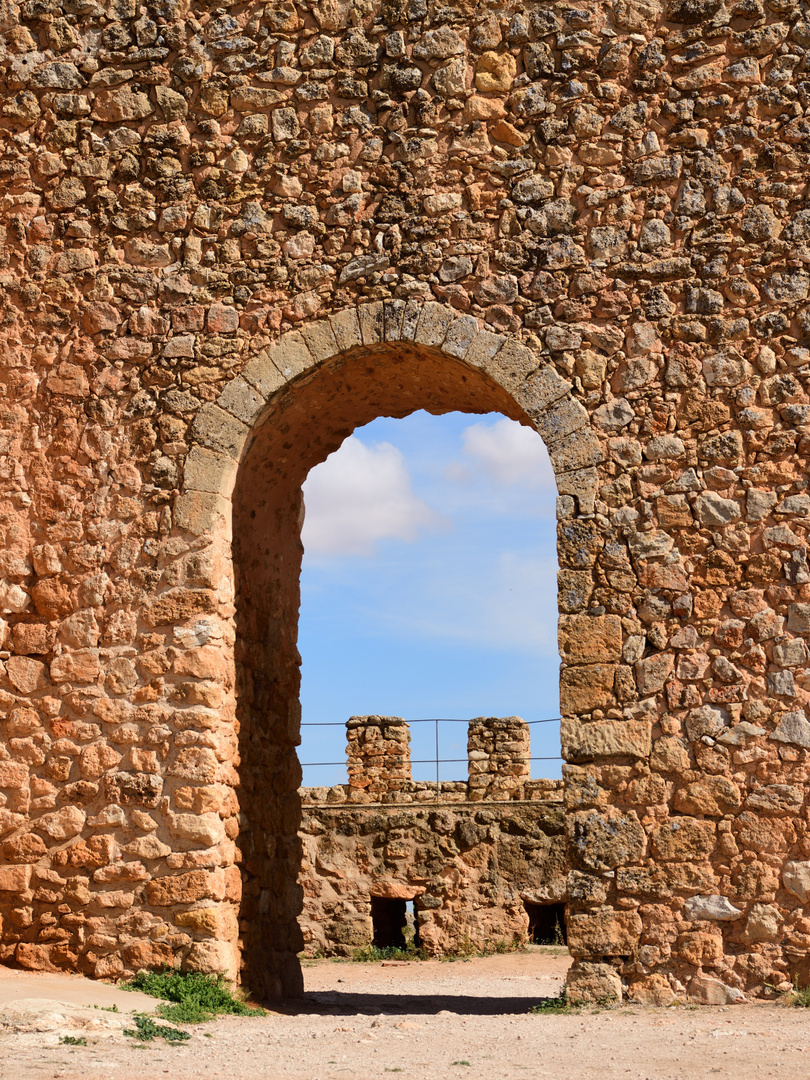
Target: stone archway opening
{"points": [[303, 423]]}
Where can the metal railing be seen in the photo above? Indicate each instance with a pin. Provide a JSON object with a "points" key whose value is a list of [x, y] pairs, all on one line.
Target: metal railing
{"points": [[436, 760]]}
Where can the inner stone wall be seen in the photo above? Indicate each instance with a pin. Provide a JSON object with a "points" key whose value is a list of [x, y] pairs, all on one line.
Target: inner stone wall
{"points": [[470, 854], [215, 224]]}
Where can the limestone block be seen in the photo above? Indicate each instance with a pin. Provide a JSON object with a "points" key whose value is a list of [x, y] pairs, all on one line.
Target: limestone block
{"points": [[213, 957], [653, 671], [15, 878], [346, 328], [433, 324], [706, 991], [796, 877], [181, 889], [263, 375], [605, 738], [485, 346], [62, 824], [596, 983], [576, 451], [585, 688], [203, 829], [320, 339], [199, 512], [461, 334], [583, 484], [764, 923], [793, 727], [541, 389], [651, 990], [604, 933], [218, 430], [241, 400], [206, 470], [393, 312], [711, 908], [26, 675], [604, 839], [513, 364], [683, 839], [559, 420], [291, 355], [371, 318], [410, 319], [590, 639], [713, 796], [799, 619]]}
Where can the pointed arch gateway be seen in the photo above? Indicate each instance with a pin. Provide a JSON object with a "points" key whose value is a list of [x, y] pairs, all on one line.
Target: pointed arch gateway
{"points": [[252, 450]]}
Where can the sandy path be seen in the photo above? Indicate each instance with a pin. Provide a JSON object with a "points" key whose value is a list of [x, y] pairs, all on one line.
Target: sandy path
{"points": [[433, 1021]]}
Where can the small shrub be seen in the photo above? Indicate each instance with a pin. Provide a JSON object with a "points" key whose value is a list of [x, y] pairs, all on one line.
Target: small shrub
{"points": [[73, 1040], [798, 997], [194, 997], [147, 1030], [558, 1004]]}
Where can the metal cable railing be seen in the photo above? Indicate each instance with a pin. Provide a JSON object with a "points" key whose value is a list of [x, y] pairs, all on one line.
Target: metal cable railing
{"points": [[436, 759]]}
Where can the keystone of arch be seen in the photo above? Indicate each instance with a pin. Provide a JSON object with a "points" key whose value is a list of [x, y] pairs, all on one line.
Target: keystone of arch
{"points": [[222, 429]]}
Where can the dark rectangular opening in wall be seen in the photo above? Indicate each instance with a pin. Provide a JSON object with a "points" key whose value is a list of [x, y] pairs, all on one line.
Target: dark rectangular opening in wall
{"points": [[546, 923], [389, 917]]}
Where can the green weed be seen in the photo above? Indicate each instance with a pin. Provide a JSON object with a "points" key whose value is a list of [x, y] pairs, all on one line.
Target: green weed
{"points": [[147, 1030], [460, 1063], [799, 996], [558, 1004], [193, 996], [370, 953], [73, 1040]]}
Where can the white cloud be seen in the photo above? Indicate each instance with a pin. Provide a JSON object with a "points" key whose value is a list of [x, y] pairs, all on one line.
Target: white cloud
{"points": [[507, 602], [359, 496], [509, 453]]}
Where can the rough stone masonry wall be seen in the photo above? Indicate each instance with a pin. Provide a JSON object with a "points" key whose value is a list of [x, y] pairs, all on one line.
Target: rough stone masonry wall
{"points": [[469, 852], [231, 235]]}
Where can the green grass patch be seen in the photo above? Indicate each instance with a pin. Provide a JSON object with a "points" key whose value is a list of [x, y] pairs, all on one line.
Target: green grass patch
{"points": [[193, 997], [73, 1040], [551, 1005], [369, 953], [147, 1030], [466, 950]]}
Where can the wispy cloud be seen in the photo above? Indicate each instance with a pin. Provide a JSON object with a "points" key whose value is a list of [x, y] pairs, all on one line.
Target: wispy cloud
{"points": [[360, 495], [508, 453], [502, 604]]}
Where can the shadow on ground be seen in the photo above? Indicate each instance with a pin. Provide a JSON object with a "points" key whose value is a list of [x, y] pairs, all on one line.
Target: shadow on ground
{"points": [[336, 1003]]}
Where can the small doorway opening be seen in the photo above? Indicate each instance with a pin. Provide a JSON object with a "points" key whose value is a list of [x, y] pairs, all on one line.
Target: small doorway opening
{"points": [[395, 922], [389, 919], [546, 923]]}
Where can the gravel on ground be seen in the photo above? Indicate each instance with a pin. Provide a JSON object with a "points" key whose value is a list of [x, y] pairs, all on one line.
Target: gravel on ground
{"points": [[424, 1020]]}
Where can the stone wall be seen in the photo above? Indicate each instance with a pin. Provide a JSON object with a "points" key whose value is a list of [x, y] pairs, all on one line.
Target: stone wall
{"points": [[229, 237], [469, 853]]}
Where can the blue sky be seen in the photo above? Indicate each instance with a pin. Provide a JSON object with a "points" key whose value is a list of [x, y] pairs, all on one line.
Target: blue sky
{"points": [[428, 586]]}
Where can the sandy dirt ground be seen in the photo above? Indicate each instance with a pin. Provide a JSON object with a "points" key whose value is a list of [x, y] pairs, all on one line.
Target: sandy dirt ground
{"points": [[425, 1021]]}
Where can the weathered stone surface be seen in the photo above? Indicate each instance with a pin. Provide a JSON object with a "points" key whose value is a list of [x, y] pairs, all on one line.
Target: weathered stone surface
{"points": [[593, 983], [708, 991], [616, 256], [605, 738], [604, 933], [714, 908], [605, 840]]}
